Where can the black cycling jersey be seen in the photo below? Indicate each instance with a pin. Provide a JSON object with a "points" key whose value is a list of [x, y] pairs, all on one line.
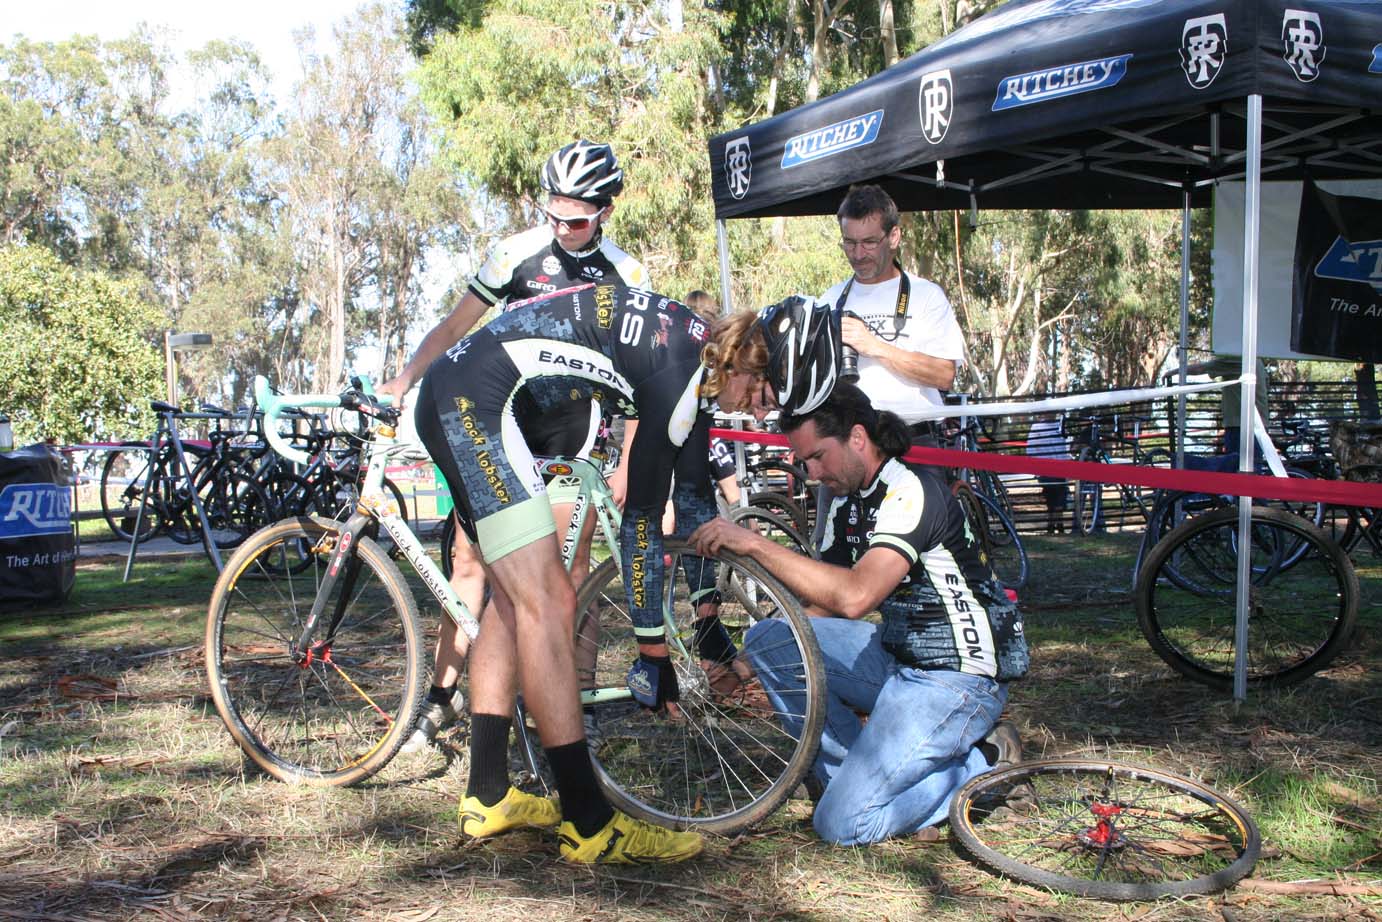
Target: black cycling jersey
{"points": [[623, 347], [533, 264], [949, 612]]}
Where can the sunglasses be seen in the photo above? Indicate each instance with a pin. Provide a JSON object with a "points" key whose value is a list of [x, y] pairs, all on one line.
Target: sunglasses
{"points": [[572, 223]]}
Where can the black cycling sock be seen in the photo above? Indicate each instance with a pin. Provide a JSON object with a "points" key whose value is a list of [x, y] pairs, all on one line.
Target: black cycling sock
{"points": [[489, 757], [439, 695], [583, 804]]}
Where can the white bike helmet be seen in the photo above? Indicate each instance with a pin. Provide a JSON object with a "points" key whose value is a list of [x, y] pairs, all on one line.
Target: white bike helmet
{"points": [[803, 340], [584, 170]]}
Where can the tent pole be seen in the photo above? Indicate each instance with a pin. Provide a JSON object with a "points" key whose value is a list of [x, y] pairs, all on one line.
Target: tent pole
{"points": [[1184, 327], [1247, 405], [722, 246]]}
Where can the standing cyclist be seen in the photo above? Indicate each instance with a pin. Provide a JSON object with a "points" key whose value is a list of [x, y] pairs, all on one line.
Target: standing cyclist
{"points": [[652, 358], [581, 181]]}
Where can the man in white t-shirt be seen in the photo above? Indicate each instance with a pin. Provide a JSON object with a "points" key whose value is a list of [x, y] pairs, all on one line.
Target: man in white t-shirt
{"points": [[902, 325]]}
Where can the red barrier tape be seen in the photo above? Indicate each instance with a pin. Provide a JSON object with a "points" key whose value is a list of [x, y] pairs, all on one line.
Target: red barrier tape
{"points": [[1335, 492]]}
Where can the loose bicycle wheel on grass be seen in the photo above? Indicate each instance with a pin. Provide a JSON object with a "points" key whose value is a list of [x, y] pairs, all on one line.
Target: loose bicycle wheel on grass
{"points": [[1104, 829], [337, 713], [1302, 608], [727, 759]]}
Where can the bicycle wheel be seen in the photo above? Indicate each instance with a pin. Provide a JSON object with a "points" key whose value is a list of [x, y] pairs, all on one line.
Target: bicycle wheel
{"points": [[1002, 545], [1105, 829], [988, 483], [782, 505], [123, 477], [334, 717], [1301, 614], [235, 507], [774, 527], [1088, 508], [725, 762]]}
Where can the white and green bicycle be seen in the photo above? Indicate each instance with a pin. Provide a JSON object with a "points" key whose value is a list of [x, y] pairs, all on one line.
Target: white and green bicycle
{"points": [[316, 656]]}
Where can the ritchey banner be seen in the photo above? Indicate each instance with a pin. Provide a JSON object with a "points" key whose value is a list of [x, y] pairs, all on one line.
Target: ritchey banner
{"points": [[1337, 288]]}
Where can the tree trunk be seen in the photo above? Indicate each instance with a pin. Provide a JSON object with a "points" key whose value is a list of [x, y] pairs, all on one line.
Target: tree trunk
{"points": [[888, 32]]}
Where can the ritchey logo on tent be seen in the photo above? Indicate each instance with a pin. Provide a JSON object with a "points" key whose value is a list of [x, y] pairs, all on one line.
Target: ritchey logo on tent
{"points": [[1376, 66], [832, 139], [1203, 47], [738, 167], [1302, 36], [28, 509], [936, 103], [1353, 261], [1058, 82]]}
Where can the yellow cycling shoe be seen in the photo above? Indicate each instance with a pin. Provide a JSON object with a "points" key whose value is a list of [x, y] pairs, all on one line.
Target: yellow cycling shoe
{"points": [[625, 840], [515, 811]]}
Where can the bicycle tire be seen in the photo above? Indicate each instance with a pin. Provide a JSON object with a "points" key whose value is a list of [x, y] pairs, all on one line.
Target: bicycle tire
{"points": [[236, 506], [1088, 506], [1302, 614], [1002, 545], [773, 526], [992, 486], [315, 723], [1152, 833], [121, 507], [794, 478], [727, 762], [782, 505]]}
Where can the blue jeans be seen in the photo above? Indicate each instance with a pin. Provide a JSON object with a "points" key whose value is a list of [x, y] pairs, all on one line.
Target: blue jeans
{"points": [[895, 773]]}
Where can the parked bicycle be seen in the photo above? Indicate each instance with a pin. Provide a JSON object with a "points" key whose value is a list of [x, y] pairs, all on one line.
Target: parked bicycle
{"points": [[1089, 507], [314, 655]]}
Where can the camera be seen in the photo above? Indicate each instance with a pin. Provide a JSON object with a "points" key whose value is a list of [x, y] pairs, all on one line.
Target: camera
{"points": [[849, 357]]}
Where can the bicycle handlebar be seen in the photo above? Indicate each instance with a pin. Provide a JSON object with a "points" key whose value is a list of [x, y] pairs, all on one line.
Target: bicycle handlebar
{"points": [[275, 406]]}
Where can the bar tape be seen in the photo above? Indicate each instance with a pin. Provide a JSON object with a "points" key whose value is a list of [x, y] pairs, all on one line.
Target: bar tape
{"points": [[1335, 492]]}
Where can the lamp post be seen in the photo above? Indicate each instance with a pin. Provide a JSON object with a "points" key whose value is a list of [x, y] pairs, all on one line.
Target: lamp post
{"points": [[174, 343]]}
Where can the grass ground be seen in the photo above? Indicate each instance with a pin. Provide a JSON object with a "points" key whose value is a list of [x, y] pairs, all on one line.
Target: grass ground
{"points": [[123, 797]]}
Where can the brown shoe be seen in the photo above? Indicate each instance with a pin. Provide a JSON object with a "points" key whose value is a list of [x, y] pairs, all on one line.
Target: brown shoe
{"points": [[1002, 746]]}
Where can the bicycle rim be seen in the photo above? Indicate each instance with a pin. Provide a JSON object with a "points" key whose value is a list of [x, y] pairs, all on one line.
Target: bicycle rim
{"points": [[1303, 598], [1006, 554], [340, 717], [1104, 829], [726, 762], [122, 488], [772, 526]]}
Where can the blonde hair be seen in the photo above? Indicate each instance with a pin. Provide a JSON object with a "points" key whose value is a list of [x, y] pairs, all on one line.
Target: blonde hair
{"points": [[736, 344], [703, 304]]}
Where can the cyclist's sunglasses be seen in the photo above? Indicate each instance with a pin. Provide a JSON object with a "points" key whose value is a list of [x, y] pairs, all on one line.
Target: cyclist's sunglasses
{"points": [[573, 223]]}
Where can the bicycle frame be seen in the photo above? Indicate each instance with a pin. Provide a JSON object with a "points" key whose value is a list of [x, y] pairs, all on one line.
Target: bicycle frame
{"points": [[377, 509]]}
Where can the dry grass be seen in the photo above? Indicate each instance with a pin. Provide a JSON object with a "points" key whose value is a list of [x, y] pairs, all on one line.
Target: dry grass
{"points": [[124, 797]]}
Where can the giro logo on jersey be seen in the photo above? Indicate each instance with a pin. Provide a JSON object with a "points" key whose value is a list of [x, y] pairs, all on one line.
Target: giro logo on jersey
{"points": [[832, 139], [28, 509], [539, 286], [551, 265], [1303, 38], [1353, 261], [738, 167], [936, 104], [1203, 45], [604, 306], [594, 273], [1376, 66], [1059, 82]]}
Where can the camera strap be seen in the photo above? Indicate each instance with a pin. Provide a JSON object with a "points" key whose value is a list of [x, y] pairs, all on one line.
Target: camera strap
{"points": [[904, 294]]}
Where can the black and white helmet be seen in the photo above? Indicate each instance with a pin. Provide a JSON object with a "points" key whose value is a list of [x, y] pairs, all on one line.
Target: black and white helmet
{"points": [[584, 170], [803, 340]]}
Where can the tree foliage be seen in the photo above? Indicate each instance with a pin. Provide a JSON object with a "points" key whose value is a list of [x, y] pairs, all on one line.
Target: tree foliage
{"points": [[78, 361]]}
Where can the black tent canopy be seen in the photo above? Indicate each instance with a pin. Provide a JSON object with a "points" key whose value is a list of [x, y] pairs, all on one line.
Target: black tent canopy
{"points": [[1080, 104], [1089, 104]]}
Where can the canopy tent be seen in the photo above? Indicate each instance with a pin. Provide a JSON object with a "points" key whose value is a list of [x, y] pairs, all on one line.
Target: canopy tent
{"points": [[1089, 104], [1079, 104]]}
